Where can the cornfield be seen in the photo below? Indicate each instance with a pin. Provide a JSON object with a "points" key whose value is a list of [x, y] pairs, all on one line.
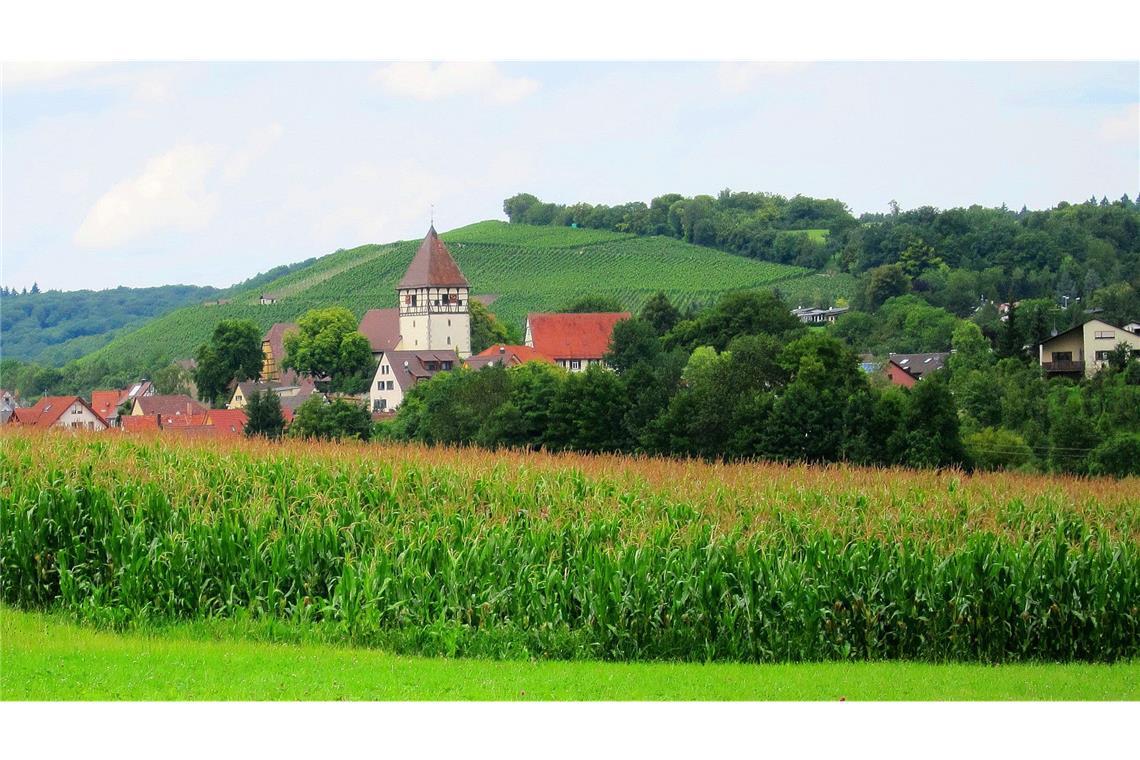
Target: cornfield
{"points": [[463, 552]]}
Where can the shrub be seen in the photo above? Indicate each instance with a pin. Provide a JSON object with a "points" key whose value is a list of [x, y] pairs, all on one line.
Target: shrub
{"points": [[997, 449]]}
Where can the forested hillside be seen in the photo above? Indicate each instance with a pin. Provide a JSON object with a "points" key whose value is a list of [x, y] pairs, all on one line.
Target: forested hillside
{"points": [[55, 327], [954, 258]]}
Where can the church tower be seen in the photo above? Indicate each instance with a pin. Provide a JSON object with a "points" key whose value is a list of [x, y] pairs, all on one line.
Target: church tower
{"points": [[433, 297]]}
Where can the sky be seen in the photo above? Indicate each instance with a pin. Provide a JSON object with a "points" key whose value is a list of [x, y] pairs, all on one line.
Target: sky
{"points": [[145, 174]]}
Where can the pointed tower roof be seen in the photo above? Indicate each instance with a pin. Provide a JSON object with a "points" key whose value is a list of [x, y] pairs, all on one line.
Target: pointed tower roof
{"points": [[432, 266]]}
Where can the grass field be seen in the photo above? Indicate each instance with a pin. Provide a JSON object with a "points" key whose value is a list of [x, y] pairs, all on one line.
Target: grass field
{"points": [[44, 657], [435, 551], [527, 268]]}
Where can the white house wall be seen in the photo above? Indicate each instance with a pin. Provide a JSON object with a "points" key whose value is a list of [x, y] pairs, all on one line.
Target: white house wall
{"points": [[384, 388], [79, 417]]}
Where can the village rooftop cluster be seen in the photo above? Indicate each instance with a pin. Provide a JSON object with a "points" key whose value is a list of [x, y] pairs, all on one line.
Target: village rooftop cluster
{"points": [[430, 332]]}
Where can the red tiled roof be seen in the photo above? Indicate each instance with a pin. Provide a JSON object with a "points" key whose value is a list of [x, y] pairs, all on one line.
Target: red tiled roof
{"points": [[169, 406], [106, 403], [382, 328], [228, 421], [184, 420], [433, 266], [139, 423], [49, 409], [573, 336], [507, 355]]}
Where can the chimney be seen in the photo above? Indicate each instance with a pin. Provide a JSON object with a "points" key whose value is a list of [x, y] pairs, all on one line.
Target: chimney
{"points": [[502, 349], [406, 368]]}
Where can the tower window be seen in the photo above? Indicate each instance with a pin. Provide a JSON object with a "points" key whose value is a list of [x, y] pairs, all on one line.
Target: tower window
{"points": [[449, 340]]}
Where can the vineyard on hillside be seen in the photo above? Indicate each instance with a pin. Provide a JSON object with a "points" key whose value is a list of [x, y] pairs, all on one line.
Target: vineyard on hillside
{"points": [[469, 552], [526, 268]]}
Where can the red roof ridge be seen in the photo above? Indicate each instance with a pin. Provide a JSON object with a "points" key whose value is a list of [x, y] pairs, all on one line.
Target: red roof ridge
{"points": [[573, 335], [433, 266]]}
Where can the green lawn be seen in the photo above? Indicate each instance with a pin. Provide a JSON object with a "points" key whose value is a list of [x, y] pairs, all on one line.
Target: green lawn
{"points": [[42, 657]]}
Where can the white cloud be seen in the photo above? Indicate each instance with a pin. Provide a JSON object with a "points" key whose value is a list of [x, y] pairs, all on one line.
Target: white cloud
{"points": [[370, 202], [169, 193], [33, 73], [428, 81], [739, 77], [239, 162], [1123, 126]]}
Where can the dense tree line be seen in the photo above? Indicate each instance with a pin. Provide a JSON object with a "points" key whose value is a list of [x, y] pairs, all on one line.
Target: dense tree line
{"points": [[54, 327], [955, 259], [760, 225], [744, 379]]}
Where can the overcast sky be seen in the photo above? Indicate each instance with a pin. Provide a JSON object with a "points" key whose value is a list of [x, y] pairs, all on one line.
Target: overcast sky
{"points": [[151, 174]]}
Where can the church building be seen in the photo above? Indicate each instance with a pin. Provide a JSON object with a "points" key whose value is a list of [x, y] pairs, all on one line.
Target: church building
{"points": [[433, 321]]}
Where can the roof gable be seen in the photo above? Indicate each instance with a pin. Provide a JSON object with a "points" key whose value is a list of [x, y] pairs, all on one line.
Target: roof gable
{"points": [[919, 364], [1081, 326], [433, 266], [49, 409], [507, 355], [573, 336], [409, 367]]}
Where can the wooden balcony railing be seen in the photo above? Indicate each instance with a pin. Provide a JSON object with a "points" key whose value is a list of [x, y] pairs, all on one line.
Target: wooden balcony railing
{"points": [[1064, 366]]}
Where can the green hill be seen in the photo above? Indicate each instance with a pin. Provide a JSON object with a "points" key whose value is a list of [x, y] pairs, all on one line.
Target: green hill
{"points": [[55, 327], [527, 269]]}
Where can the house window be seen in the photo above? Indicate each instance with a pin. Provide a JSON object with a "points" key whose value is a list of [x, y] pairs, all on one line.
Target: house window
{"points": [[1102, 356], [1062, 356], [449, 323], [449, 340], [378, 405], [389, 385], [1104, 335], [379, 385], [575, 364]]}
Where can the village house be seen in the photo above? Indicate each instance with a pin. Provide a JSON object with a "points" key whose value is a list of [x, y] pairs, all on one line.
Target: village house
{"points": [[273, 354], [812, 316], [214, 423], [400, 370], [70, 412], [431, 331], [291, 396], [1084, 349], [572, 341], [267, 299], [168, 407], [9, 402], [908, 369], [106, 403], [506, 356]]}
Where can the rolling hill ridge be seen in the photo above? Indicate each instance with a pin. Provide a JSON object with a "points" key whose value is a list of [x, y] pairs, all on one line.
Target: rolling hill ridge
{"points": [[526, 268]]}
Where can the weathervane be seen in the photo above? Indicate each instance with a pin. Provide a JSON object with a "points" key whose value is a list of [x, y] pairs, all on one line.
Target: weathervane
{"points": [[432, 216]]}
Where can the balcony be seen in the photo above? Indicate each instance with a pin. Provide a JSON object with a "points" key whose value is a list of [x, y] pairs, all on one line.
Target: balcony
{"points": [[1064, 365]]}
